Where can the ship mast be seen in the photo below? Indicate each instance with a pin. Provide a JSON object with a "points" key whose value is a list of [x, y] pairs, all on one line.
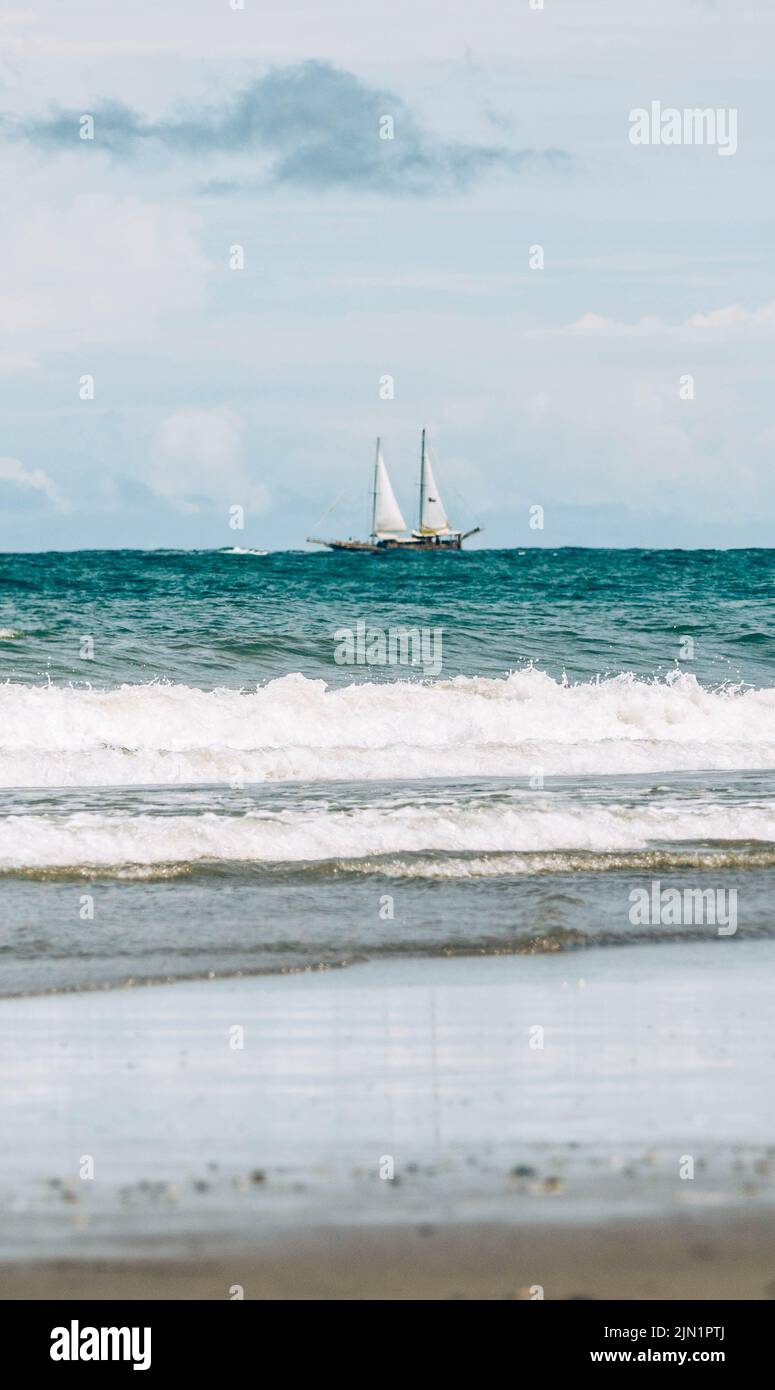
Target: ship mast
{"points": [[422, 479], [374, 493]]}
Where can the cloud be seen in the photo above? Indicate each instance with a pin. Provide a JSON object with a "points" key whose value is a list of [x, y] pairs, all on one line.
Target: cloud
{"points": [[33, 479], [317, 126], [734, 316], [197, 456]]}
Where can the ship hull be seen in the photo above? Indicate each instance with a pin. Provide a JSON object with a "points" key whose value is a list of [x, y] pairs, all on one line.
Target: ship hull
{"points": [[432, 544], [381, 546]]}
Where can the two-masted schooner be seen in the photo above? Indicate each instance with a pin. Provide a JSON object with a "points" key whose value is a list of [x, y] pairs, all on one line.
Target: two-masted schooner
{"points": [[389, 531]]}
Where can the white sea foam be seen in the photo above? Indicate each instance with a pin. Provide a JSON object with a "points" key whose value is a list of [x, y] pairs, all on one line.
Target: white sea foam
{"points": [[315, 835], [242, 550], [298, 729]]}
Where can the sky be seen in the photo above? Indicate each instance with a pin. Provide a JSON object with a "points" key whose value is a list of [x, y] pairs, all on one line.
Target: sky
{"points": [[387, 284]]}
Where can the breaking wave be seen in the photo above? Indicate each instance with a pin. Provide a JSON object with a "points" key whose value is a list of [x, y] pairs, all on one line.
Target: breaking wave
{"points": [[299, 729], [534, 837]]}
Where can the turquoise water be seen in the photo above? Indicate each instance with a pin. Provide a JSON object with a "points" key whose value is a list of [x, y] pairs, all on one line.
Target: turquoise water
{"points": [[216, 618], [201, 772]]}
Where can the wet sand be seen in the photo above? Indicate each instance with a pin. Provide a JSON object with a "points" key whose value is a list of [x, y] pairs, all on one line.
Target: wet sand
{"points": [[393, 1131], [716, 1258]]}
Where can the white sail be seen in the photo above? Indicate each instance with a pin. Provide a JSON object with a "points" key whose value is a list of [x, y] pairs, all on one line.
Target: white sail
{"points": [[432, 514], [388, 517]]}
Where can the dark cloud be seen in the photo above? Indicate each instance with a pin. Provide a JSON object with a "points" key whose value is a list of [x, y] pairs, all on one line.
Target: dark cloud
{"points": [[316, 126]]}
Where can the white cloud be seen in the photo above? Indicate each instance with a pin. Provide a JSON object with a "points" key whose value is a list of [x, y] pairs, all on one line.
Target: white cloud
{"points": [[34, 479], [200, 454], [732, 317], [735, 316]]}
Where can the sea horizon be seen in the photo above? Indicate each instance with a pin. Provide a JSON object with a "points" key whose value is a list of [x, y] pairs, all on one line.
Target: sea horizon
{"points": [[471, 549]]}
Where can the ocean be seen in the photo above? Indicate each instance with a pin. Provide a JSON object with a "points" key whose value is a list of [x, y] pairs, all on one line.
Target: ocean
{"points": [[225, 763]]}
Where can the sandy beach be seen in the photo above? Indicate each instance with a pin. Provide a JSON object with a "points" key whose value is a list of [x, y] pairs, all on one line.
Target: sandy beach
{"points": [[515, 1165], [713, 1258]]}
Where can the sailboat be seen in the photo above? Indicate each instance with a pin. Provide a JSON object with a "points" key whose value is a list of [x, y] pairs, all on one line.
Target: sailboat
{"points": [[389, 530]]}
